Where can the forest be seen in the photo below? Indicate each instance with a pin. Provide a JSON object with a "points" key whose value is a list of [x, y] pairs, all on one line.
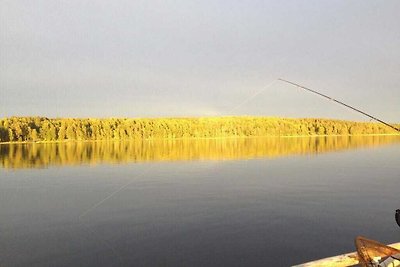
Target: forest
{"points": [[40, 129]]}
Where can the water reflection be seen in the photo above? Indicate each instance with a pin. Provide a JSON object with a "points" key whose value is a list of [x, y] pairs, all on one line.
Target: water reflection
{"points": [[16, 156]]}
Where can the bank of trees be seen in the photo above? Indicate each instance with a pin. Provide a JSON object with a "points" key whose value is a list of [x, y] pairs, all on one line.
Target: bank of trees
{"points": [[20, 129]]}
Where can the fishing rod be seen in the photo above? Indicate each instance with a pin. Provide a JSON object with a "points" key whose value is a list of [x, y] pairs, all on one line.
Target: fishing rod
{"points": [[339, 102]]}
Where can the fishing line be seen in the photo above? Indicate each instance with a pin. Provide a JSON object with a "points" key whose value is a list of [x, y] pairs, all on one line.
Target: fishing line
{"points": [[252, 96], [96, 205], [93, 207], [111, 195], [119, 190]]}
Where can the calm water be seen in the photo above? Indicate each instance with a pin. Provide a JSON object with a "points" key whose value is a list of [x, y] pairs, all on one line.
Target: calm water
{"points": [[245, 202]]}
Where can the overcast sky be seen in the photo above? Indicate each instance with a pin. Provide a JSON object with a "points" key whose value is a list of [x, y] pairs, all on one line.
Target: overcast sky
{"points": [[198, 58]]}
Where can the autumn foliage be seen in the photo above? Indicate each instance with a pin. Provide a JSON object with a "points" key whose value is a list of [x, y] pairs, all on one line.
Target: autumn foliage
{"points": [[20, 129]]}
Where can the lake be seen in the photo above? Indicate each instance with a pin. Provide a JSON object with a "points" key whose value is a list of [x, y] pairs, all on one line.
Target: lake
{"points": [[207, 202]]}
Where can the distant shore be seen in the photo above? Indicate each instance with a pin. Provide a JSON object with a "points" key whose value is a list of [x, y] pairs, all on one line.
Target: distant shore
{"points": [[193, 138], [45, 130]]}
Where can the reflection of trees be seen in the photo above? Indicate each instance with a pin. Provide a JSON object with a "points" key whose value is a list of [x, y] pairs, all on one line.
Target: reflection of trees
{"points": [[72, 153]]}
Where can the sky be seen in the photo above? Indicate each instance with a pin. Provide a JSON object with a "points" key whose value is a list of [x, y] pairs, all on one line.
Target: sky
{"points": [[164, 58]]}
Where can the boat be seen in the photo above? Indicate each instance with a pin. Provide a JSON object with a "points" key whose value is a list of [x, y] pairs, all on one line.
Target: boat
{"points": [[370, 253], [373, 253]]}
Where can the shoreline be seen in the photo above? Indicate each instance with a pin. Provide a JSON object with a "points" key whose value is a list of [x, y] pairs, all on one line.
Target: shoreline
{"points": [[193, 138]]}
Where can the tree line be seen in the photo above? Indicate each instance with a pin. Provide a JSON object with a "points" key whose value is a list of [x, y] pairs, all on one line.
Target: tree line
{"points": [[21, 129]]}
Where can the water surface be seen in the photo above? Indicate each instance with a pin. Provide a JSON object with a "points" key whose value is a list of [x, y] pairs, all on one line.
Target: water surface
{"points": [[228, 202]]}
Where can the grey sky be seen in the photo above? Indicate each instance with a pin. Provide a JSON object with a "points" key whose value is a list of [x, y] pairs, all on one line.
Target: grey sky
{"points": [[193, 58]]}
